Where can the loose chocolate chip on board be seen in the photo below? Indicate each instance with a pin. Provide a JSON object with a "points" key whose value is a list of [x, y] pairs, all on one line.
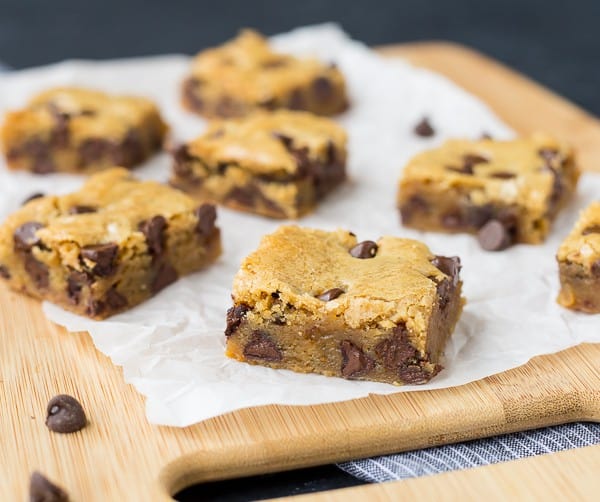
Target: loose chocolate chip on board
{"points": [[165, 276], [354, 361], [41, 489], [494, 236], [153, 229], [33, 196], [593, 229], [4, 272], [207, 215], [25, 237], [331, 294], [364, 249], [322, 89], [449, 265], [65, 414], [104, 256], [424, 128], [81, 209], [262, 347], [235, 316]]}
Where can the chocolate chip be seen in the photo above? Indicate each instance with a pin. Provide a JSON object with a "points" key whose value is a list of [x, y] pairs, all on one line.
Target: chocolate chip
{"points": [[235, 316], [413, 374], [94, 149], [465, 169], [593, 229], [364, 249], [43, 165], [286, 140], [449, 265], [37, 270], [424, 129], [415, 204], [33, 196], [503, 175], [396, 350], [165, 276], [477, 216], [494, 236], [115, 300], [75, 283], [95, 308], [322, 89], [207, 215], [104, 256], [4, 272], [81, 209], [129, 152], [297, 101], [24, 237], [244, 196], [153, 229], [354, 361], [452, 220], [65, 414], [331, 294], [43, 490], [59, 137], [181, 154], [472, 159], [596, 268], [268, 103], [262, 347]]}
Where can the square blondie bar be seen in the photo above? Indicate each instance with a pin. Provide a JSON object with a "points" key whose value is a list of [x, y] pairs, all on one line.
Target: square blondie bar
{"points": [[246, 74], [277, 164], [504, 191], [81, 130], [322, 302], [579, 263], [107, 247]]}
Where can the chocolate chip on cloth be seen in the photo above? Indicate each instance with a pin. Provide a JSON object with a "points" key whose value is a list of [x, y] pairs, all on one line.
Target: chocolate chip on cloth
{"points": [[41, 489], [65, 414], [103, 256], [364, 249], [424, 128]]}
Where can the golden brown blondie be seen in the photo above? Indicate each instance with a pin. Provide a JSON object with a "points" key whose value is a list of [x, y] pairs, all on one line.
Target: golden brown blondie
{"points": [[504, 191], [107, 247], [245, 74], [80, 130], [579, 263], [277, 164], [314, 301]]}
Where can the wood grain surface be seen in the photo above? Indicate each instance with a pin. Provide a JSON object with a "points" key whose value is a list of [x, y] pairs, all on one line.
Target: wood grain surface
{"points": [[120, 456]]}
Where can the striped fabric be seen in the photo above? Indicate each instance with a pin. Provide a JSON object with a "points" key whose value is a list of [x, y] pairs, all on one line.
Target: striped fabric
{"points": [[440, 459]]}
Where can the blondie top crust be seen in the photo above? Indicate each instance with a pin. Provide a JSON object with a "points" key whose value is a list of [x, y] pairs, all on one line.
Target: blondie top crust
{"points": [[245, 74], [505, 191], [277, 164], [107, 247], [316, 301], [80, 130], [579, 263]]}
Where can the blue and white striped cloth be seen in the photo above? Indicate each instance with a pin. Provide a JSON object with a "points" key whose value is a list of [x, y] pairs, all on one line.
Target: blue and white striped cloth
{"points": [[414, 464]]}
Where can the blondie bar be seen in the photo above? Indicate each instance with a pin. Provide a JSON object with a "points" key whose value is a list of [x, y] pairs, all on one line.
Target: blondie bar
{"points": [[579, 263], [245, 74], [315, 301], [80, 130], [505, 191], [276, 164], [109, 246]]}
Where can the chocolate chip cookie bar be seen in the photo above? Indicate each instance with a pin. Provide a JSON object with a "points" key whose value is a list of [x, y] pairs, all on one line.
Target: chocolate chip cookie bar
{"points": [[246, 74], [107, 247], [579, 263], [277, 164], [80, 130], [506, 192], [322, 302]]}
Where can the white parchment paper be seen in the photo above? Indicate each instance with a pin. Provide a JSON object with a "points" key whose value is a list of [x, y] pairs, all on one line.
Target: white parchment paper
{"points": [[171, 347]]}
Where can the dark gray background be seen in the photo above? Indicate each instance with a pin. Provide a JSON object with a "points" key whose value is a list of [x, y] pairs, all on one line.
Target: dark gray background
{"points": [[555, 42]]}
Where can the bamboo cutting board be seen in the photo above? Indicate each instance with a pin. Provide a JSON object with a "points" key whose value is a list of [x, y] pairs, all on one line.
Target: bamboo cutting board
{"points": [[120, 456]]}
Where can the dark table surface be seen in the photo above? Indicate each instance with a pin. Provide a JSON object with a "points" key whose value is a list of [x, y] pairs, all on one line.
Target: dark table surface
{"points": [[554, 42]]}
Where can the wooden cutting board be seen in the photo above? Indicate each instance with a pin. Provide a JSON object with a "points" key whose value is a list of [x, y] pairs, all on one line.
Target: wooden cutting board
{"points": [[120, 456]]}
